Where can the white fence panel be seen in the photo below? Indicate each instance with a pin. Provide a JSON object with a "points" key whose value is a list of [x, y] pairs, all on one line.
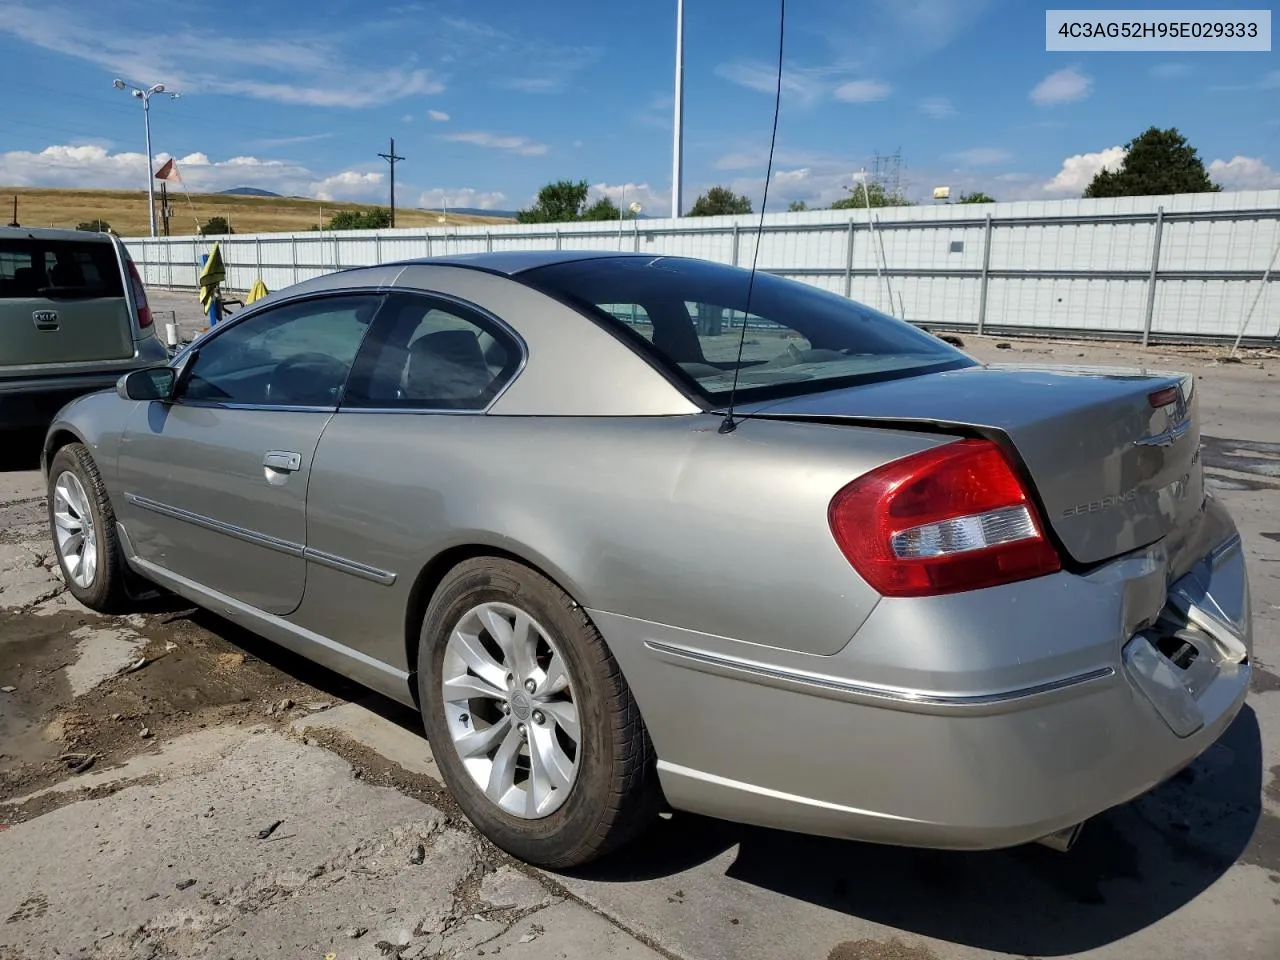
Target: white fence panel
{"points": [[1080, 266]]}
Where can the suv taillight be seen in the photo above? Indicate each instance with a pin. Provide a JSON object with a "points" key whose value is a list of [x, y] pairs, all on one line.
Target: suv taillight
{"points": [[139, 295], [954, 517]]}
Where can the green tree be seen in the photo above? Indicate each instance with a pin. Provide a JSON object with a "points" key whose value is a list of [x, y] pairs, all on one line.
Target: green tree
{"points": [[797, 206], [719, 201], [602, 209], [875, 196], [977, 196], [94, 226], [1155, 162], [375, 219], [559, 202], [215, 227]]}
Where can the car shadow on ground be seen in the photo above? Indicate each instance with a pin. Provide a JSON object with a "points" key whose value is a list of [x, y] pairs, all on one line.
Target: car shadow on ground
{"points": [[1130, 868], [20, 450]]}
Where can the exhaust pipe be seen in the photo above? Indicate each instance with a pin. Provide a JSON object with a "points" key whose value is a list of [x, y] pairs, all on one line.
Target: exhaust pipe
{"points": [[1064, 839]]}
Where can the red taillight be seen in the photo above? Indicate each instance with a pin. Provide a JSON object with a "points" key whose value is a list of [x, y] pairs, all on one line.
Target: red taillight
{"points": [[1162, 398], [955, 517], [139, 295]]}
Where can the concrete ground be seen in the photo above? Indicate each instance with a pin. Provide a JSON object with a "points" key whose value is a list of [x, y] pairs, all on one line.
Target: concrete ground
{"points": [[171, 786]]}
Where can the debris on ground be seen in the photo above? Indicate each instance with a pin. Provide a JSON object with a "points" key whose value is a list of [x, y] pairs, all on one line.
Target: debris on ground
{"points": [[269, 830], [319, 706], [227, 661], [355, 933], [418, 856], [535, 931], [183, 884], [136, 665], [179, 615], [145, 733], [7, 689], [78, 762], [1004, 345]]}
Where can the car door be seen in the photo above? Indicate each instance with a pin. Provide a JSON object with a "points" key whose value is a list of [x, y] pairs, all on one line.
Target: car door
{"points": [[214, 481], [410, 421]]}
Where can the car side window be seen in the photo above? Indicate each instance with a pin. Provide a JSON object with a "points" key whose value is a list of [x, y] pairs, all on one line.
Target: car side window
{"points": [[297, 354], [428, 353]]}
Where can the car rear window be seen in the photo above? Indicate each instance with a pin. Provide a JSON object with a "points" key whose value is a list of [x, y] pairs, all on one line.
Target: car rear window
{"points": [[687, 317], [58, 269]]}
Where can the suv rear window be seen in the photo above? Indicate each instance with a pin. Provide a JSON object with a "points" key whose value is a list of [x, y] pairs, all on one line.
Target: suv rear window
{"points": [[687, 317], [58, 269]]}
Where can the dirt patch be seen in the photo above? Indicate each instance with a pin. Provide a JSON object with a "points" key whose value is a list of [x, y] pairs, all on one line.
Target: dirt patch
{"points": [[196, 673], [875, 950], [1263, 681]]}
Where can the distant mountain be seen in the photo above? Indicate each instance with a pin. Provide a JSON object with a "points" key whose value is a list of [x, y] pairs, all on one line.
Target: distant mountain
{"points": [[250, 192]]}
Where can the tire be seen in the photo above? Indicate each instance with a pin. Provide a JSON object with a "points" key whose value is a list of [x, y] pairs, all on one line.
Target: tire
{"points": [[613, 794], [104, 590]]}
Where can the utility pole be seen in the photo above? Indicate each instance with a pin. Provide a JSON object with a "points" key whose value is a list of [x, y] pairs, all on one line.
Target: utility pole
{"points": [[392, 159], [677, 145]]}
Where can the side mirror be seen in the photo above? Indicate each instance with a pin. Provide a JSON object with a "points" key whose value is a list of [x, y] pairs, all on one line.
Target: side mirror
{"points": [[152, 383]]}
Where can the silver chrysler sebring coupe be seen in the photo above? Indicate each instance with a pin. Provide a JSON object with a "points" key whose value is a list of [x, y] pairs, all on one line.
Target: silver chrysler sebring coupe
{"points": [[634, 530]]}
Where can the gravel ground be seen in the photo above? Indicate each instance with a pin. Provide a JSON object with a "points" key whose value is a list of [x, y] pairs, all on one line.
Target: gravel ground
{"points": [[143, 752]]}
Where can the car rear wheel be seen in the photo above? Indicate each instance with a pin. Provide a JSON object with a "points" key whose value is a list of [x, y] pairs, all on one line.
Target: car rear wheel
{"points": [[83, 525], [531, 722]]}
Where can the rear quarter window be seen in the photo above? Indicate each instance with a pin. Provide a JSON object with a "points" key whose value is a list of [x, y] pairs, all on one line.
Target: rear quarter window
{"points": [[31, 268]]}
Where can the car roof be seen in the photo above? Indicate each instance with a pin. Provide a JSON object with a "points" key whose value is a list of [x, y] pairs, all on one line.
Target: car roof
{"points": [[512, 262], [51, 233]]}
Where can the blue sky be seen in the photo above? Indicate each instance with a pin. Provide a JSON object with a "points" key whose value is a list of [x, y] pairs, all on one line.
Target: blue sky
{"points": [[488, 101]]}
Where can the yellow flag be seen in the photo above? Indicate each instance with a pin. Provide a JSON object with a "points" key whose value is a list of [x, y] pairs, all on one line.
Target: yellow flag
{"points": [[256, 292], [214, 273]]}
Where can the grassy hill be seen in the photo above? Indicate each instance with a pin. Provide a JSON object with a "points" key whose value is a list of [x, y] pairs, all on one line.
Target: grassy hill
{"points": [[126, 211]]}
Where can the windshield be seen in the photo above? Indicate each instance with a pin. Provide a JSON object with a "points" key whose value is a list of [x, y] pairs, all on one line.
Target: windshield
{"points": [[687, 316]]}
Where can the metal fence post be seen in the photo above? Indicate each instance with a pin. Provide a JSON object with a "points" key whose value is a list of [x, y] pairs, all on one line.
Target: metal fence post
{"points": [[635, 236], [377, 248], [1151, 283], [848, 261], [986, 269], [735, 244], [488, 241], [257, 255], [293, 255], [557, 238]]}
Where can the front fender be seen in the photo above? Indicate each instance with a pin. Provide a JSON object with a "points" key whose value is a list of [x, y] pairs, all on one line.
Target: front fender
{"points": [[98, 421]]}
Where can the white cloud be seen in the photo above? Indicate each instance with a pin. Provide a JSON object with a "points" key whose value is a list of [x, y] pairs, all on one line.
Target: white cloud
{"points": [[803, 85], [440, 198], [407, 118], [95, 166], [1077, 171], [791, 178], [1063, 86], [1169, 71], [347, 184], [297, 68], [937, 107], [982, 156], [655, 202], [291, 141], [439, 116], [1244, 173], [522, 146], [1268, 81], [921, 27], [517, 62], [862, 91]]}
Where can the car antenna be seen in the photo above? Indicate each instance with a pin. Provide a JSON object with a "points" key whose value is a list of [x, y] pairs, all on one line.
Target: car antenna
{"points": [[728, 424]]}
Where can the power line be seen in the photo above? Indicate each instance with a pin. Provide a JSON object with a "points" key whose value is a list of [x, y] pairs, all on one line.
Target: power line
{"points": [[392, 159]]}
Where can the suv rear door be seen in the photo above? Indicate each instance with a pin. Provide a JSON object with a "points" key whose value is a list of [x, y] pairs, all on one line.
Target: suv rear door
{"points": [[62, 301]]}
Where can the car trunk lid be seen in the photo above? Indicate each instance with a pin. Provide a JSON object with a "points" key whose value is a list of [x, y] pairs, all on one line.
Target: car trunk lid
{"points": [[1113, 454], [62, 301]]}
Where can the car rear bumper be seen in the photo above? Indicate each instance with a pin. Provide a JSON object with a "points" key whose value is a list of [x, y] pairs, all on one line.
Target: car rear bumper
{"points": [[977, 721]]}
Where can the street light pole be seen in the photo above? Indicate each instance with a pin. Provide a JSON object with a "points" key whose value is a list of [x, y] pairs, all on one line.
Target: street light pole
{"points": [[145, 97], [677, 145], [151, 181]]}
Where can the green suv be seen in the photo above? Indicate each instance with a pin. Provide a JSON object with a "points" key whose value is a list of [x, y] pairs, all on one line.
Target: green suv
{"points": [[73, 318]]}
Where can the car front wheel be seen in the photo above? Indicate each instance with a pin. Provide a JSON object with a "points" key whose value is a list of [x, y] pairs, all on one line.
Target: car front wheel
{"points": [[531, 722], [83, 526]]}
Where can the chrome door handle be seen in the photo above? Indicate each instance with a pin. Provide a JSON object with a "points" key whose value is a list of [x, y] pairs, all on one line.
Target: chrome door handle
{"points": [[282, 460]]}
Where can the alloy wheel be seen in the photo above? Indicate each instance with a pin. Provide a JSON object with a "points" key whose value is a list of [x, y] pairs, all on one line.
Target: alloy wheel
{"points": [[510, 709], [74, 531]]}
